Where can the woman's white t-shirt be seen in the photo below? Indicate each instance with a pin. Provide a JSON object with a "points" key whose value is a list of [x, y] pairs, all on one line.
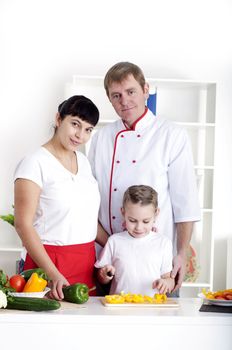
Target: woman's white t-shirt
{"points": [[138, 262], [67, 211]]}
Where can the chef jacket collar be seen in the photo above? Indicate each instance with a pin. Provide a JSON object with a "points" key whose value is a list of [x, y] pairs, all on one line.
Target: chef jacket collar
{"points": [[141, 121]]}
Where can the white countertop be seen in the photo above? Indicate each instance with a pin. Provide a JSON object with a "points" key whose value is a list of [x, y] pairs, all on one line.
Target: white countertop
{"points": [[92, 320], [188, 311]]}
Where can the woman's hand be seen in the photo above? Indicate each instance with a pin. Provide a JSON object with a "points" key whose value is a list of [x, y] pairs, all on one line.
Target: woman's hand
{"points": [[56, 285], [106, 274]]}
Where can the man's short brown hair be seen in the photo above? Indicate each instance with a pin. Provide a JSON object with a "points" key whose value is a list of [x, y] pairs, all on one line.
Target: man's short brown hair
{"points": [[120, 71]]}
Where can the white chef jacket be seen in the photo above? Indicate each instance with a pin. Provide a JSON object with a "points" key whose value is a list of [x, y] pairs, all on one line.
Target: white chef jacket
{"points": [[67, 211], [138, 262], [154, 152]]}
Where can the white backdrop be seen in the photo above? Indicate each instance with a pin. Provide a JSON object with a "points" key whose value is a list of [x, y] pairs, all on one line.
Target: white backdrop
{"points": [[43, 43]]}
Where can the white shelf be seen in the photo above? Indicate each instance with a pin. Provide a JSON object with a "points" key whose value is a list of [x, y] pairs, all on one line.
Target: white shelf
{"points": [[204, 167], [187, 124], [179, 84], [196, 285], [9, 249], [105, 122], [196, 125]]}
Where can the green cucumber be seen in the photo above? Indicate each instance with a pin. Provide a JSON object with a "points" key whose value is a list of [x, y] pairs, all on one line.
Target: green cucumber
{"points": [[32, 304]]}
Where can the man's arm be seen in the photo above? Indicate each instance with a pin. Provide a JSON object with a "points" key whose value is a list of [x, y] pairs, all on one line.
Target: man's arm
{"points": [[184, 234]]}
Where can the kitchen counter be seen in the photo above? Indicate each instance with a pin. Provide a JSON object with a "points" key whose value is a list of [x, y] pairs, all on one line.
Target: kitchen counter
{"points": [[94, 326]]}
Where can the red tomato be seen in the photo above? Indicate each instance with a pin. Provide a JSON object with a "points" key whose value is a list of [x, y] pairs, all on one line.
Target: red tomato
{"points": [[17, 282], [228, 296], [219, 297]]}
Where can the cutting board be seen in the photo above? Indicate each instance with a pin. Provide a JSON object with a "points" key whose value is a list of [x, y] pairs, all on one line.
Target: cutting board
{"points": [[71, 306], [170, 303]]}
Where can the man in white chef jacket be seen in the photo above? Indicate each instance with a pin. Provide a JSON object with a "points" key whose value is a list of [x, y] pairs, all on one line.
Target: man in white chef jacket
{"points": [[141, 148]]}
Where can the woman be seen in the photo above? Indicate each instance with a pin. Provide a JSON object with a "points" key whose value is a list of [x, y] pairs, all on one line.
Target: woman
{"points": [[57, 200]]}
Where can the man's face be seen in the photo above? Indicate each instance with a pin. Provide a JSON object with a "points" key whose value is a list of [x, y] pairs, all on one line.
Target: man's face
{"points": [[128, 99]]}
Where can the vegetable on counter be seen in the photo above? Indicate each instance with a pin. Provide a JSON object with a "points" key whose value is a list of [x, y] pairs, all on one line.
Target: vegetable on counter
{"points": [[225, 294], [40, 272], [123, 298], [4, 283], [35, 284], [77, 293], [32, 304], [24, 303], [17, 282]]}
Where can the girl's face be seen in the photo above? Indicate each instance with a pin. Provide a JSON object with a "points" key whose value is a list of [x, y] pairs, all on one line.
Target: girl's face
{"points": [[73, 131], [139, 219]]}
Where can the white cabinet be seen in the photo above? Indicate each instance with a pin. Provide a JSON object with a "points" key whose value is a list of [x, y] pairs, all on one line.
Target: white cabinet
{"points": [[192, 105]]}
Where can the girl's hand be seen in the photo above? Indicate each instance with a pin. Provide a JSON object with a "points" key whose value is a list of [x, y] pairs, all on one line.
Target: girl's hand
{"points": [[56, 285], [106, 274]]}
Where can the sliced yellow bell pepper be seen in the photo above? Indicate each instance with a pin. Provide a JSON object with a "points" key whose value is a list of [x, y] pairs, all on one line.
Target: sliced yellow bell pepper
{"points": [[135, 298], [160, 298], [35, 284]]}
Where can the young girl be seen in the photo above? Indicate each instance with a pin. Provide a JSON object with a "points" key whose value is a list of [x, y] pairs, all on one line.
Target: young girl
{"points": [[137, 260], [57, 200]]}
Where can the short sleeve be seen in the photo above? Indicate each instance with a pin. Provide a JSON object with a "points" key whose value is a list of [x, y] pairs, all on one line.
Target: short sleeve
{"points": [[29, 169]]}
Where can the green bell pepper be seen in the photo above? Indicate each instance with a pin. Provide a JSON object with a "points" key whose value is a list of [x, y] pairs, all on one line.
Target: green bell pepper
{"points": [[40, 272], [77, 293]]}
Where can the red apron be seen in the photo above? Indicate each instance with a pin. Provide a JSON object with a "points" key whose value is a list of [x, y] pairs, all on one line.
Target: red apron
{"points": [[75, 262]]}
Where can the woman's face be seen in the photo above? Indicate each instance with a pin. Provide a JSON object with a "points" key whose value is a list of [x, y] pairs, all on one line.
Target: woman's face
{"points": [[73, 131]]}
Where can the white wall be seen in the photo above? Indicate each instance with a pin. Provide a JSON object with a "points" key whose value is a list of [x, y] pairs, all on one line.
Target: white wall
{"points": [[43, 43]]}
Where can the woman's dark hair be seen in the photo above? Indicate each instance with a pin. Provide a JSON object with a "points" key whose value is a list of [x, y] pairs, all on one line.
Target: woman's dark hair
{"points": [[81, 107]]}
